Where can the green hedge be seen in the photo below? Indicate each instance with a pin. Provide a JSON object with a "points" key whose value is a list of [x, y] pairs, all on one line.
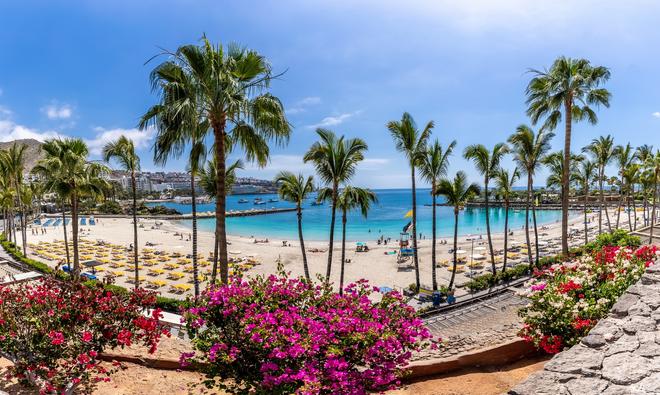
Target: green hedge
{"points": [[618, 237], [166, 304]]}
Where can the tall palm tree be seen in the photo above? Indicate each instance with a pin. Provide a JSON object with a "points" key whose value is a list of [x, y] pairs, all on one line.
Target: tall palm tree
{"points": [[569, 88], [487, 163], [528, 148], [14, 164], [208, 183], [653, 165], [433, 166], [602, 151], [67, 173], [412, 142], [349, 198], [624, 156], [122, 151], [456, 192], [504, 182], [554, 161], [584, 175], [228, 89], [295, 189], [335, 160], [172, 142]]}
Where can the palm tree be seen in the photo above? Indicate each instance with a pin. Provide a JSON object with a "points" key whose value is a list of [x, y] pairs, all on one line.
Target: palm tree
{"points": [[335, 160], [172, 142], [411, 141], [602, 151], [456, 192], [208, 183], [123, 152], [528, 148], [554, 161], [487, 163], [624, 156], [295, 189], [570, 86], [349, 198], [653, 165], [14, 165], [504, 182], [228, 89], [66, 172], [584, 175], [433, 166]]}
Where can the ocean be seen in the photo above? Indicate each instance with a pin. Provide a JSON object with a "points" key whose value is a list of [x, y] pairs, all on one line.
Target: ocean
{"points": [[385, 218]]}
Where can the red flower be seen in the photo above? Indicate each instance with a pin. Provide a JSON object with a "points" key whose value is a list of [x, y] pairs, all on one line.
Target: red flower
{"points": [[124, 337], [86, 337], [56, 338]]}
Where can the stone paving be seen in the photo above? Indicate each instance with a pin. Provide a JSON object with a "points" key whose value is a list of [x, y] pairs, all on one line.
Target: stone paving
{"points": [[620, 355]]}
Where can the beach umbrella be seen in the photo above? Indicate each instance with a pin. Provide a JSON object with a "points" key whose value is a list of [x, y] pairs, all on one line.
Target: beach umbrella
{"points": [[461, 252], [480, 248], [478, 256]]}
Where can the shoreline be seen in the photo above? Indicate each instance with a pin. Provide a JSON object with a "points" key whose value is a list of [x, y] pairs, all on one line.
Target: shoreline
{"points": [[379, 265]]}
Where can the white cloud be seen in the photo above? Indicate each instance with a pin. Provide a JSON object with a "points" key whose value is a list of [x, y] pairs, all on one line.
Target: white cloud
{"points": [[10, 131], [656, 114], [141, 138], [373, 163], [333, 120], [302, 104], [56, 111]]}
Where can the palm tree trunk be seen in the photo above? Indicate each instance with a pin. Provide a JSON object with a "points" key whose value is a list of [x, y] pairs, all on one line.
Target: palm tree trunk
{"points": [[135, 231], [433, 227], [529, 199], [331, 243], [343, 252], [607, 214], [506, 232], [490, 240], [21, 209], [568, 104], [602, 202], [74, 235], [220, 204], [453, 272], [645, 204], [586, 229], [414, 225], [618, 211], [66, 243], [194, 234], [536, 236], [655, 193], [302, 242], [634, 208]]}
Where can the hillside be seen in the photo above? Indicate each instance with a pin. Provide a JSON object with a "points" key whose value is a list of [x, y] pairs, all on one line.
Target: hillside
{"points": [[32, 154]]}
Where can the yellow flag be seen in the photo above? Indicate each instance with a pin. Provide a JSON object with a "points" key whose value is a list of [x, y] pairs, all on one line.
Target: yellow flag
{"points": [[408, 214]]}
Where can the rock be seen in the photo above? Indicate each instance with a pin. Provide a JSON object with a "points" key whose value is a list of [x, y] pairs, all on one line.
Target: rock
{"points": [[594, 341], [609, 328], [635, 324], [613, 389], [625, 368], [626, 343], [640, 308], [656, 316], [649, 385], [650, 278], [651, 298], [625, 302], [542, 383], [587, 386], [636, 289], [577, 359]]}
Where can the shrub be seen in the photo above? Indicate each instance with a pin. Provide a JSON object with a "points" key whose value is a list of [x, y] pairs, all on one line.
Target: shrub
{"points": [[568, 298], [54, 331], [618, 237], [109, 207], [278, 335]]}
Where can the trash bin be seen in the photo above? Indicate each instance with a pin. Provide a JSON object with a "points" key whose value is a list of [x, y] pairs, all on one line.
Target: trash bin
{"points": [[437, 297]]}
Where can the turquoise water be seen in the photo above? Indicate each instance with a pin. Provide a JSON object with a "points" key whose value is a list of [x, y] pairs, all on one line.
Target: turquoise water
{"points": [[386, 217]]}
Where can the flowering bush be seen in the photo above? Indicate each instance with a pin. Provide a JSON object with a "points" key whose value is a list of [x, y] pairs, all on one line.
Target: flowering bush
{"points": [[567, 299], [278, 335], [54, 331]]}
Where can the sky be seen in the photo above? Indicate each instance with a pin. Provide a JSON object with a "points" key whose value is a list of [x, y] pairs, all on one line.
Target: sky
{"points": [[71, 68]]}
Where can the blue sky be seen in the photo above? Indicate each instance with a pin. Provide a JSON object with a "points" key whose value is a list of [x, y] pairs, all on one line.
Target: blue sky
{"points": [[78, 68]]}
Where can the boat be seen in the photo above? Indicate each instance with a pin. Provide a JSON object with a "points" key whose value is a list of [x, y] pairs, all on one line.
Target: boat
{"points": [[258, 202], [243, 201], [273, 200], [317, 203]]}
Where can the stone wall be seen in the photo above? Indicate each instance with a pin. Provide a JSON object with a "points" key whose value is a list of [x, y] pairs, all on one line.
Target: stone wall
{"points": [[620, 355]]}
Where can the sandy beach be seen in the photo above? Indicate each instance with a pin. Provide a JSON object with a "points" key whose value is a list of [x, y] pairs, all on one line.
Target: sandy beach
{"points": [[375, 265]]}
